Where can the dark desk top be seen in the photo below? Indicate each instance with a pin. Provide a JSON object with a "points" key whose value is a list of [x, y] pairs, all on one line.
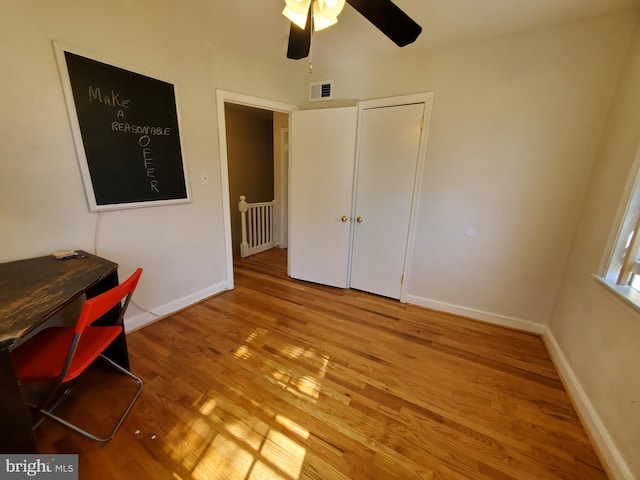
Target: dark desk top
{"points": [[33, 290]]}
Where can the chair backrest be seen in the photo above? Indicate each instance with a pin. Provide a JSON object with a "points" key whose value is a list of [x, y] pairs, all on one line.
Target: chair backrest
{"points": [[94, 308]]}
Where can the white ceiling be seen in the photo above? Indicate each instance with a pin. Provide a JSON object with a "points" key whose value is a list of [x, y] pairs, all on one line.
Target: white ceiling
{"points": [[256, 27]]}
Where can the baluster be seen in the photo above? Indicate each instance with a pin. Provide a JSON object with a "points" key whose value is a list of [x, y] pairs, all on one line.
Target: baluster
{"points": [[254, 227], [244, 246], [269, 223], [262, 222]]}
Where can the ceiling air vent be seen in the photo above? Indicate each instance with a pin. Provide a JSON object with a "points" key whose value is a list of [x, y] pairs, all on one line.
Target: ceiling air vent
{"points": [[321, 90]]}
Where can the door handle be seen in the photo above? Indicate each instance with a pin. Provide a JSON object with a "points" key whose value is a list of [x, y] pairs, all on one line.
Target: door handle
{"points": [[344, 219], [359, 219]]}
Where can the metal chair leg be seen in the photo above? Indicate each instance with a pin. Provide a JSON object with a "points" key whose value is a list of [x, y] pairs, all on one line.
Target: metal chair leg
{"points": [[48, 413]]}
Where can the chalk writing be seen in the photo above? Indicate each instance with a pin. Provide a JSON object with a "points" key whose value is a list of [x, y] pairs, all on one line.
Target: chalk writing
{"points": [[144, 142], [140, 129], [112, 100]]}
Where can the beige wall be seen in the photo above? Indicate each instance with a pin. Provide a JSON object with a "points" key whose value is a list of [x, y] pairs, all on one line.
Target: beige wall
{"points": [[43, 206], [514, 129], [597, 333]]}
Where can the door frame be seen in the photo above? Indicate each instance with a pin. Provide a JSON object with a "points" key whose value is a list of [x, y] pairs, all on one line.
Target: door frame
{"points": [[282, 194], [222, 97], [427, 99]]}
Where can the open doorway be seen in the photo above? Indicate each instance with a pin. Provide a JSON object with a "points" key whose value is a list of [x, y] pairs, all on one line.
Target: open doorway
{"points": [[253, 136], [251, 158]]}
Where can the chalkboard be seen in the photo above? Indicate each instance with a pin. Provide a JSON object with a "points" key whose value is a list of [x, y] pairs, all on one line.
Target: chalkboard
{"points": [[125, 127]]}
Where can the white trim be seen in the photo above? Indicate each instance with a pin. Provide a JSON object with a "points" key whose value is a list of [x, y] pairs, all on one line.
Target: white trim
{"points": [[223, 96], [623, 294], [488, 317], [282, 204], [417, 190], [612, 458], [394, 101], [151, 316], [614, 240]]}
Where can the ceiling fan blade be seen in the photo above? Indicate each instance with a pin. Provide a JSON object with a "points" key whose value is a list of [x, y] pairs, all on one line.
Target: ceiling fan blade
{"points": [[299, 40], [389, 19]]}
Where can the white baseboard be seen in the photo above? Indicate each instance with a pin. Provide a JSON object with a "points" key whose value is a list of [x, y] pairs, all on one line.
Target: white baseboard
{"points": [[139, 321], [497, 319], [611, 456]]}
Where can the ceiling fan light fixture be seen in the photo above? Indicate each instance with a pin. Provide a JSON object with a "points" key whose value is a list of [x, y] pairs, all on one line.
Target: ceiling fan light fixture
{"points": [[385, 15], [297, 11], [330, 8], [299, 19], [320, 21], [298, 6]]}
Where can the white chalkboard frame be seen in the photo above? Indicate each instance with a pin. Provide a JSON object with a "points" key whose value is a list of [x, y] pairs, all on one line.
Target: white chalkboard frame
{"points": [[79, 144]]}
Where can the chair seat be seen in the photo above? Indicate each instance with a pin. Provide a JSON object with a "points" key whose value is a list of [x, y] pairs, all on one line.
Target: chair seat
{"points": [[52, 345]]}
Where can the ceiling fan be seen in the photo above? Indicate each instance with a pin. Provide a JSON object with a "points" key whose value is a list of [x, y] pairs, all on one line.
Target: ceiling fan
{"points": [[313, 15]]}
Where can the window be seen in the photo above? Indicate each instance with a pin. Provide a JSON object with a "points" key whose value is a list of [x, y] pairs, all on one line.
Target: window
{"points": [[622, 274], [630, 267]]}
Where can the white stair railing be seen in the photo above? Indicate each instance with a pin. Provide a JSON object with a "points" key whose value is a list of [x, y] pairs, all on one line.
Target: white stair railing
{"points": [[257, 226]]}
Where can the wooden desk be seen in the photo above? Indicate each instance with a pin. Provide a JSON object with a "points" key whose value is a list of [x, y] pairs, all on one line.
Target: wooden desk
{"points": [[32, 291]]}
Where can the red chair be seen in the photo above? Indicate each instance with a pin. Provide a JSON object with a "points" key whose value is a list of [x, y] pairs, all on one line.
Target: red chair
{"points": [[61, 354]]}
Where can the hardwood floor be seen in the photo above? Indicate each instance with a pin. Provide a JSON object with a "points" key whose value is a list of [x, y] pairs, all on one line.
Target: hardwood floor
{"points": [[280, 379]]}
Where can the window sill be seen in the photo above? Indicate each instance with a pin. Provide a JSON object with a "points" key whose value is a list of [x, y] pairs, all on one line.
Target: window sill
{"points": [[628, 295]]}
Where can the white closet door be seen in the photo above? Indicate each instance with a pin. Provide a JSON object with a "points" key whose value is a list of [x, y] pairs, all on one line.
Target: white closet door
{"points": [[387, 161], [322, 150]]}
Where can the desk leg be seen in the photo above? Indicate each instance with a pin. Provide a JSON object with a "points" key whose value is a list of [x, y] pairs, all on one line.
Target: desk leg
{"points": [[17, 436], [117, 351]]}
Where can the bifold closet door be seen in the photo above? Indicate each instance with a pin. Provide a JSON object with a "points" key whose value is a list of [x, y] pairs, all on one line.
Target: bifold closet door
{"points": [[321, 152], [387, 161]]}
